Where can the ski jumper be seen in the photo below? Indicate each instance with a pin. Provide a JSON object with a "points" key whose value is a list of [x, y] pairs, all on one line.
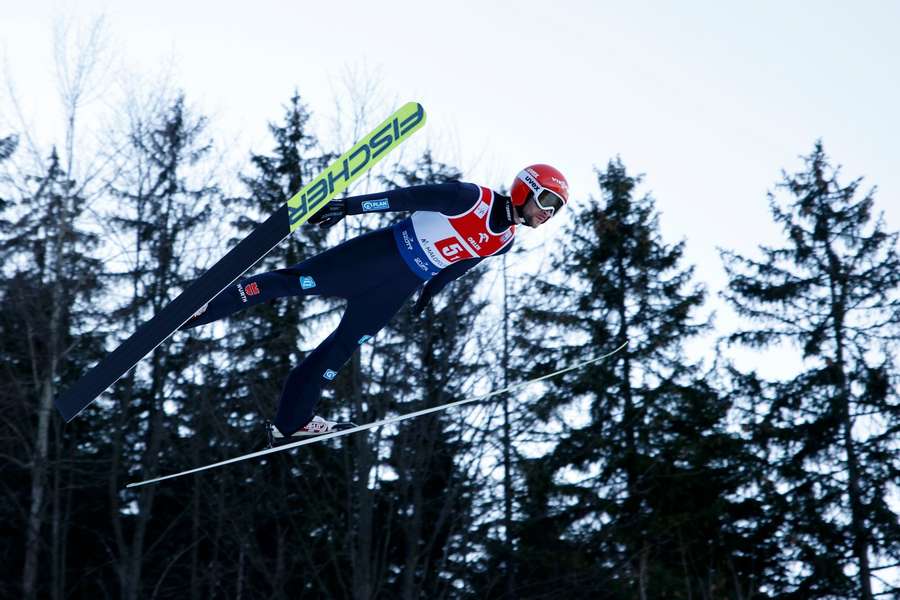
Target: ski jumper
{"points": [[454, 227]]}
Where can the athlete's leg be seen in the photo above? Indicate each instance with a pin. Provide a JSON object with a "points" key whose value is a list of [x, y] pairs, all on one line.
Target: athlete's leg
{"points": [[343, 271], [364, 317], [244, 293]]}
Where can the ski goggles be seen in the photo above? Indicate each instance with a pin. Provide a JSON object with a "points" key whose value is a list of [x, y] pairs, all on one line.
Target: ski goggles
{"points": [[545, 198]]}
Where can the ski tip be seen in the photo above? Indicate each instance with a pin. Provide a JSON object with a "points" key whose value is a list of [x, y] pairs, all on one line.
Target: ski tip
{"points": [[413, 105], [414, 108]]}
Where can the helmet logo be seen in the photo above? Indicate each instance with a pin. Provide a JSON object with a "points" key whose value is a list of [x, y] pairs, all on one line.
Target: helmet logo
{"points": [[534, 185], [561, 184]]}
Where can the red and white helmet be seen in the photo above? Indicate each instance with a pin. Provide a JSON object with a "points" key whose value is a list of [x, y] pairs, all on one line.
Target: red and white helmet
{"points": [[549, 187]]}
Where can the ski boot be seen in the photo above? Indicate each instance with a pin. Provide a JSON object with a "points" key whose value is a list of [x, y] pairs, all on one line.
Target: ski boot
{"points": [[317, 426]]}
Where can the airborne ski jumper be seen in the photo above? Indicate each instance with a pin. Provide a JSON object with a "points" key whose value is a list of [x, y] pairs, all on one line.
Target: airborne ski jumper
{"points": [[453, 227]]}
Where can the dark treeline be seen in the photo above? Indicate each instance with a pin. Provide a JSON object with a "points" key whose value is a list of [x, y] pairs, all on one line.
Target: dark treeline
{"points": [[653, 474]]}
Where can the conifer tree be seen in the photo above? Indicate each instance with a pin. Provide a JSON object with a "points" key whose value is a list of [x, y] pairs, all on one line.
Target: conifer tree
{"points": [[416, 519], [510, 424], [287, 499], [164, 206], [829, 434], [272, 331], [633, 494], [48, 293]]}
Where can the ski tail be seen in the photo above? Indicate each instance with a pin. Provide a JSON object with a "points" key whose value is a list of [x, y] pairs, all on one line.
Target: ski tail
{"points": [[158, 329]]}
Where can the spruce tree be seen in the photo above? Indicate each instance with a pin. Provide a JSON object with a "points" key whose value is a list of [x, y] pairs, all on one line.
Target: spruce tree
{"points": [[632, 498], [293, 517], [509, 426], [410, 530], [272, 331], [829, 433], [164, 205], [49, 293]]}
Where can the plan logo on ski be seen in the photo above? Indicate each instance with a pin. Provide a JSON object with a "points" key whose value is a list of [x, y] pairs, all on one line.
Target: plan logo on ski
{"points": [[330, 375], [252, 289], [354, 162], [307, 282]]}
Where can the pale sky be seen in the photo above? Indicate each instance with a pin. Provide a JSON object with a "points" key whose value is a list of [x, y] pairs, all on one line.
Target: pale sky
{"points": [[709, 99]]}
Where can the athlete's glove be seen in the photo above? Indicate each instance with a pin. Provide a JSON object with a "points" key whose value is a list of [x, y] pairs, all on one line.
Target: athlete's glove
{"points": [[333, 212]]}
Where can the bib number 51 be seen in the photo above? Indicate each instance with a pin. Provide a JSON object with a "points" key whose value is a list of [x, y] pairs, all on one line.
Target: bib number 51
{"points": [[451, 249]]}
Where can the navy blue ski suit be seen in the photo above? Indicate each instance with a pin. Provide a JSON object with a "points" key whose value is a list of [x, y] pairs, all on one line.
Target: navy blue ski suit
{"points": [[375, 272]]}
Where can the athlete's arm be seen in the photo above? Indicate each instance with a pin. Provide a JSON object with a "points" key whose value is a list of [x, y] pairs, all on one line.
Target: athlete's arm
{"points": [[440, 281], [451, 273], [448, 198]]}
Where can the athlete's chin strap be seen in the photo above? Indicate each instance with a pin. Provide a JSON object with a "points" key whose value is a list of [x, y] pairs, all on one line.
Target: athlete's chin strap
{"points": [[514, 213], [520, 214]]}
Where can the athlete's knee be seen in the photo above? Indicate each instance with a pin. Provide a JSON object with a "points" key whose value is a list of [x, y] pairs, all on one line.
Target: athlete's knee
{"points": [[266, 286], [298, 282]]}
